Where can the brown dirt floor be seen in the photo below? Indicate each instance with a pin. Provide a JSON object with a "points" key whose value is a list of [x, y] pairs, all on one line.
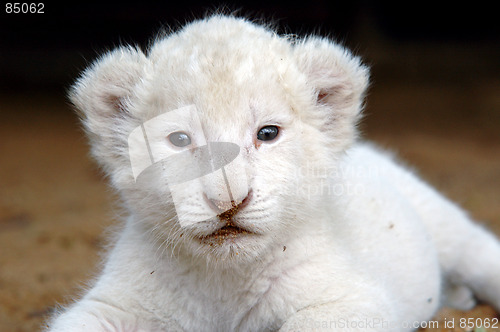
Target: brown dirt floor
{"points": [[55, 205]]}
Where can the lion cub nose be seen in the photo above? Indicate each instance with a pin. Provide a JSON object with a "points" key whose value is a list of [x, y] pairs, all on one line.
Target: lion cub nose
{"points": [[223, 206]]}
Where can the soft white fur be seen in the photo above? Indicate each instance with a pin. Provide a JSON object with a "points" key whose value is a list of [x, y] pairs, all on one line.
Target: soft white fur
{"points": [[346, 239]]}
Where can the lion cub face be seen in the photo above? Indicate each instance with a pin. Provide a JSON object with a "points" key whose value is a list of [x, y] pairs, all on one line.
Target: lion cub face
{"points": [[209, 137]]}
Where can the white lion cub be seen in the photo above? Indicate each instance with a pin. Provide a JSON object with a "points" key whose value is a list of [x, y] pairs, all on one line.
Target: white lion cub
{"points": [[250, 206]]}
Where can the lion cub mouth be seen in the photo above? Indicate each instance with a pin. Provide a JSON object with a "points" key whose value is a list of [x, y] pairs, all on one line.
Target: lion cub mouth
{"points": [[228, 231]]}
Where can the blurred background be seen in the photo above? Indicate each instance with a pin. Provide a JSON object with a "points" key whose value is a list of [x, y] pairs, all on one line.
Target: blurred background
{"points": [[434, 100]]}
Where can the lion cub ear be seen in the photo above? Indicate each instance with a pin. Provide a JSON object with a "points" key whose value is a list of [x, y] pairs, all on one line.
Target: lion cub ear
{"points": [[101, 96], [102, 90], [338, 77], [339, 82]]}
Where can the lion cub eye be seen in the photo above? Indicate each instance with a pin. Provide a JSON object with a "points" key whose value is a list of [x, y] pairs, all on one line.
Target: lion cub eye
{"points": [[267, 133], [179, 139]]}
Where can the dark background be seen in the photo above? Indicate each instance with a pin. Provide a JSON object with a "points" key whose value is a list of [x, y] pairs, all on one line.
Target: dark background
{"points": [[434, 100], [46, 51]]}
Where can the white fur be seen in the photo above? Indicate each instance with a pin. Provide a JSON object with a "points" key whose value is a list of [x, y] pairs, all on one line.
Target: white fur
{"points": [[344, 235]]}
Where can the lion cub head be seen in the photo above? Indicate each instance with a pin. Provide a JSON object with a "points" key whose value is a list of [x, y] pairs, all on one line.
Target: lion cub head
{"points": [[212, 135]]}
